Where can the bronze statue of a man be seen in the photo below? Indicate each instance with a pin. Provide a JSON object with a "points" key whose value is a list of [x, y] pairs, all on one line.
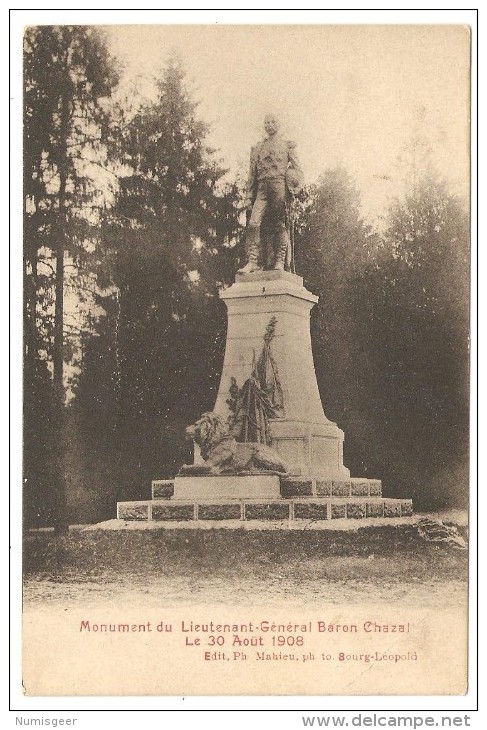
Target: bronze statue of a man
{"points": [[275, 175]]}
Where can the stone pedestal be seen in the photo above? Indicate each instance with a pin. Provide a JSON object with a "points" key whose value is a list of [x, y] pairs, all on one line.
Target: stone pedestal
{"points": [[308, 442], [242, 500], [227, 487], [318, 489]]}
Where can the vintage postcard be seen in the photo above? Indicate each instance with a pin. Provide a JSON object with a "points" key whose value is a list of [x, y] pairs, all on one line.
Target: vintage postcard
{"points": [[246, 359]]}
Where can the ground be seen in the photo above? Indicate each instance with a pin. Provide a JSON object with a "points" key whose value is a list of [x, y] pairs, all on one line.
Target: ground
{"points": [[389, 564]]}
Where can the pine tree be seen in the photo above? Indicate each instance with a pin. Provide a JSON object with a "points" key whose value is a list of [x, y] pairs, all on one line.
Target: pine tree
{"points": [[172, 242], [419, 322], [332, 247], [67, 74]]}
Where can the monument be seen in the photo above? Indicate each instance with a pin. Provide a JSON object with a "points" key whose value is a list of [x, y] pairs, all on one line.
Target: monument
{"points": [[267, 451]]}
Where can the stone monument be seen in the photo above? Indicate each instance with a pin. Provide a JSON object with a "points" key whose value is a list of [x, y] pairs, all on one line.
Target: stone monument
{"points": [[275, 176], [267, 451]]}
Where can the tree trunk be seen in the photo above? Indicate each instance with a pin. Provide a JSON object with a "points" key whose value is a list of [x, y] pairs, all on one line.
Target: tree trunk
{"points": [[30, 414], [30, 304], [60, 501], [61, 524]]}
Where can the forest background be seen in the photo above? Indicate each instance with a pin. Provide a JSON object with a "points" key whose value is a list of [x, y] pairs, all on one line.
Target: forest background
{"points": [[134, 221]]}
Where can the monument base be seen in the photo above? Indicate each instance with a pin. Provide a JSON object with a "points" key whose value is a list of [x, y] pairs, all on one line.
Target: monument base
{"points": [[243, 510], [311, 449], [238, 499], [269, 313], [230, 487]]}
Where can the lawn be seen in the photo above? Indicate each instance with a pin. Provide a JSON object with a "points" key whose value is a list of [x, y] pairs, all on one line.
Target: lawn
{"points": [[391, 564]]}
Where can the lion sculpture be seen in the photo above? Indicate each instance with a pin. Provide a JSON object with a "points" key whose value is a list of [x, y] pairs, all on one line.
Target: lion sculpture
{"points": [[223, 455]]}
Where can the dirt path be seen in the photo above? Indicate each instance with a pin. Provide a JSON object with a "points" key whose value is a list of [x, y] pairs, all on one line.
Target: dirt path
{"points": [[389, 565]]}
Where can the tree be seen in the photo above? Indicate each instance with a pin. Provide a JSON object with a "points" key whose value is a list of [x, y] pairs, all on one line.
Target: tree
{"points": [[332, 247], [171, 243], [67, 75], [390, 333], [418, 309]]}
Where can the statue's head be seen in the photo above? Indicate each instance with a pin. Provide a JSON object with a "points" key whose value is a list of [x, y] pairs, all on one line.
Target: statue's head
{"points": [[271, 124]]}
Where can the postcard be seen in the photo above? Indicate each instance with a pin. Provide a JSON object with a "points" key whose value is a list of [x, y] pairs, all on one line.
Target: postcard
{"points": [[246, 360]]}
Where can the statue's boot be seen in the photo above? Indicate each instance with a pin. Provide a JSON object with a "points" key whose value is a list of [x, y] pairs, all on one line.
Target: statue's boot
{"points": [[281, 251], [253, 243], [250, 267]]}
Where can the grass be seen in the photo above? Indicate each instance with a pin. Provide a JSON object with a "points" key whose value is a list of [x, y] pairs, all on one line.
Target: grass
{"points": [[378, 563]]}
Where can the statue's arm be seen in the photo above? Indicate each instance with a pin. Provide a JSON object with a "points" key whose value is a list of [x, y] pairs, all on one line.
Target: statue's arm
{"points": [[294, 174], [293, 158]]}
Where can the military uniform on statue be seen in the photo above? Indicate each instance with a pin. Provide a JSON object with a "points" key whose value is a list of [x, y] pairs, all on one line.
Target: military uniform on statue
{"points": [[275, 176]]}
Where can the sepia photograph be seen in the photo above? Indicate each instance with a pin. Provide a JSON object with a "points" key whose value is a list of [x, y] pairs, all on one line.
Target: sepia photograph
{"points": [[246, 359]]}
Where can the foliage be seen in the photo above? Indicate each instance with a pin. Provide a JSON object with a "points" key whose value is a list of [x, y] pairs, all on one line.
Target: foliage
{"points": [[333, 245], [416, 308], [390, 333], [170, 243], [67, 74]]}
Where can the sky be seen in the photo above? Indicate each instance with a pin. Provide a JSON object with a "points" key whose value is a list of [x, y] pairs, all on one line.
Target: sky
{"points": [[354, 96]]}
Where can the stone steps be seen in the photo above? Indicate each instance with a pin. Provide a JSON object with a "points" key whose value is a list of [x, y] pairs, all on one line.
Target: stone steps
{"points": [[298, 487], [307, 508], [320, 487], [300, 498]]}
